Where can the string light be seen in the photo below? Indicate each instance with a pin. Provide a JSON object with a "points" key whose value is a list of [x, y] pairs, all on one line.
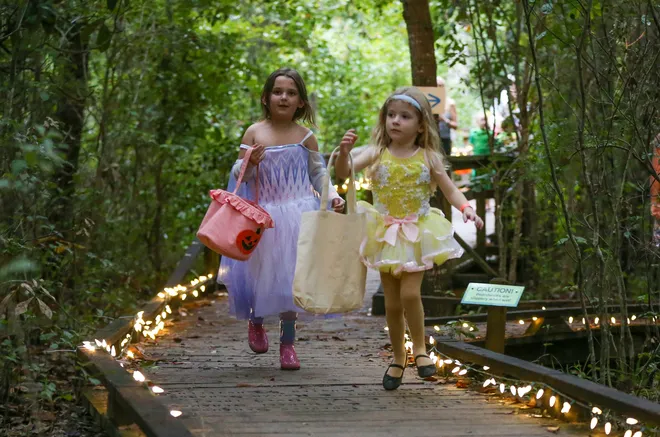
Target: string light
{"points": [[570, 319], [631, 421], [594, 423], [566, 408], [638, 434], [175, 413], [157, 389], [539, 394], [596, 410], [138, 376], [608, 428], [553, 399], [628, 433]]}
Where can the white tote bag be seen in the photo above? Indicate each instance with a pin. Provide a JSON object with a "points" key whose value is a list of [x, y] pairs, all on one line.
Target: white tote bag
{"points": [[329, 277]]}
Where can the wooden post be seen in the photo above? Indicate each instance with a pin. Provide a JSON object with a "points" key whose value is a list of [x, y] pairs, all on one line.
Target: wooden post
{"points": [[496, 324], [481, 233]]}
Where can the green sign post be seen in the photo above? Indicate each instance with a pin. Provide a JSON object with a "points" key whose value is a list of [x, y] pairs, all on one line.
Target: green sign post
{"points": [[497, 296]]}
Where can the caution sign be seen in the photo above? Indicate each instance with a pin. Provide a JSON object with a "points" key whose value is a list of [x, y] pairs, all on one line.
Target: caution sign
{"points": [[492, 295]]}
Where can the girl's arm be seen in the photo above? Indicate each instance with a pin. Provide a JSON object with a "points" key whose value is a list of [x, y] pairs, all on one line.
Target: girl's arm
{"points": [[255, 158], [360, 162], [317, 170], [450, 191]]}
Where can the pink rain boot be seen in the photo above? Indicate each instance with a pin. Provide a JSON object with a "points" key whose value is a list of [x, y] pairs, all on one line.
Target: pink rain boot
{"points": [[288, 357], [257, 338]]}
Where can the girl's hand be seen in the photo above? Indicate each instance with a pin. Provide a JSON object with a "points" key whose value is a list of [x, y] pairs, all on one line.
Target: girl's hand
{"points": [[258, 153], [347, 143], [469, 214], [338, 204]]}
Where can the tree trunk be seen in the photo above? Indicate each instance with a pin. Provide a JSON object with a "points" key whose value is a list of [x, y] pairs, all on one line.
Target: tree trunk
{"points": [[421, 41], [70, 115]]}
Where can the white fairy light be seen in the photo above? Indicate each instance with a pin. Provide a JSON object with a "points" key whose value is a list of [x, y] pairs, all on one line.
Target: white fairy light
{"points": [[502, 387], [157, 389], [553, 399], [608, 428], [138, 376], [539, 393], [566, 408], [463, 372], [594, 422], [596, 410], [175, 413], [631, 421], [486, 367]]}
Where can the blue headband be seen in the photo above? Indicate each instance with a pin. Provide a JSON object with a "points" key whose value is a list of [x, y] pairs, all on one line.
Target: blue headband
{"points": [[407, 99]]}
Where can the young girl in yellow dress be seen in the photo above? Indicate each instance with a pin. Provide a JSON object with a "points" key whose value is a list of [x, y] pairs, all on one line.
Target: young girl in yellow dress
{"points": [[405, 235]]}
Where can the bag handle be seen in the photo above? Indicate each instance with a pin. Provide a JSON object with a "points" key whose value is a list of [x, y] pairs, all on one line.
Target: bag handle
{"points": [[239, 181], [351, 198]]}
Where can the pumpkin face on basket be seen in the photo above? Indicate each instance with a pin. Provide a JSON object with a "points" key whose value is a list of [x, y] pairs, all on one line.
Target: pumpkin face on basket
{"points": [[247, 241]]}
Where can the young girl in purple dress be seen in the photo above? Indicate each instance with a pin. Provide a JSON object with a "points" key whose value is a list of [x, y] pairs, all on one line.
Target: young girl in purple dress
{"points": [[290, 174]]}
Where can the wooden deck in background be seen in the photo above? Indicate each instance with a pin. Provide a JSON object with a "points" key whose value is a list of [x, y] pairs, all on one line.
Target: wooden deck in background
{"points": [[208, 372]]}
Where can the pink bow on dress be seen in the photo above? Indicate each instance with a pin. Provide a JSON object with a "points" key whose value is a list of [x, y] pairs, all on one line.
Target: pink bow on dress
{"points": [[407, 225]]}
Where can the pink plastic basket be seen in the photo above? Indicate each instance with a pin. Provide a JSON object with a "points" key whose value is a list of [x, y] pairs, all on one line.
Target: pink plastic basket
{"points": [[233, 226]]}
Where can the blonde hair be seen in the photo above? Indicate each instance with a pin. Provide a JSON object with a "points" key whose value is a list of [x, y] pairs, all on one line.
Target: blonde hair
{"points": [[428, 139]]}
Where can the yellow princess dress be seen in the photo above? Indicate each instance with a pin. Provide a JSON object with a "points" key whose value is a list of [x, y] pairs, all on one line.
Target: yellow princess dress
{"points": [[404, 233]]}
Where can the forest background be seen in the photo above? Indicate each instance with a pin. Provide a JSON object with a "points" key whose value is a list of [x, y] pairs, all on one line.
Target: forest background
{"points": [[118, 116]]}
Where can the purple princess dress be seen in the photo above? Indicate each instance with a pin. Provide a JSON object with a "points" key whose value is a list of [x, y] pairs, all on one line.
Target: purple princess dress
{"points": [[263, 285]]}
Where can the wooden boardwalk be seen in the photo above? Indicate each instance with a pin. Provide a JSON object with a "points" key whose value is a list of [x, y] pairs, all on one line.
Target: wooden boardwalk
{"points": [[222, 388]]}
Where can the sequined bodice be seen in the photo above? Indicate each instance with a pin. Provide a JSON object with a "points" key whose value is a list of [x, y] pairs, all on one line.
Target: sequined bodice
{"points": [[283, 174], [402, 186]]}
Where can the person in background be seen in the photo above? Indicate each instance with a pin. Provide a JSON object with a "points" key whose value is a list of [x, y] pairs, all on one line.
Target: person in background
{"points": [[446, 121], [655, 190]]}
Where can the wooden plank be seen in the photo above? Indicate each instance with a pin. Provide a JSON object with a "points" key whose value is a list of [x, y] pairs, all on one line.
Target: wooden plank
{"points": [[208, 372], [477, 258], [143, 408], [481, 233], [185, 263], [581, 389], [528, 314], [479, 161]]}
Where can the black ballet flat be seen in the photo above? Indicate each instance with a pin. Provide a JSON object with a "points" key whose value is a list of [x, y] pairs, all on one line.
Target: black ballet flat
{"points": [[390, 382], [425, 371]]}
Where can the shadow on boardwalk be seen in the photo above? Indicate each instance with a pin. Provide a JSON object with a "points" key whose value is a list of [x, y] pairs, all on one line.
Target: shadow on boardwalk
{"points": [[209, 373]]}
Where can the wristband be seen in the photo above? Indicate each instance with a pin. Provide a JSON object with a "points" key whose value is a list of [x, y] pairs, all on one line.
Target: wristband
{"points": [[463, 206]]}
